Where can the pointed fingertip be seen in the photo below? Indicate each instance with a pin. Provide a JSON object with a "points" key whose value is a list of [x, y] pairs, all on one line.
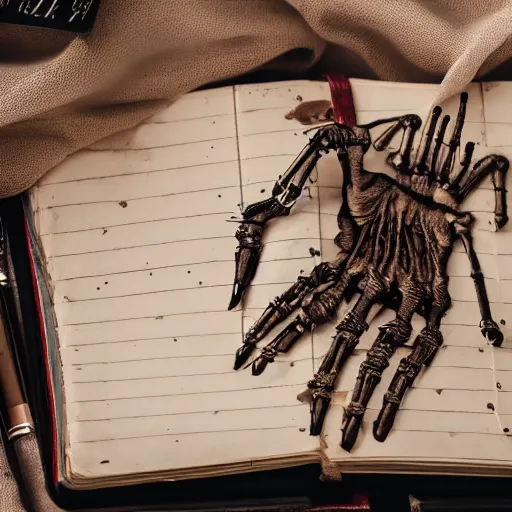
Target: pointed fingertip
{"points": [[236, 296], [346, 444], [319, 406], [259, 365], [349, 433], [500, 221], [382, 425], [243, 354], [379, 432]]}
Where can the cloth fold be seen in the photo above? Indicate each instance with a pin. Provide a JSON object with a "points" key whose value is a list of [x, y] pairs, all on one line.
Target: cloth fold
{"points": [[60, 93], [9, 495]]}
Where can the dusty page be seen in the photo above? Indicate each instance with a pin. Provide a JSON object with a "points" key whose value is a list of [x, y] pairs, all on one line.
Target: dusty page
{"points": [[141, 259], [455, 412]]}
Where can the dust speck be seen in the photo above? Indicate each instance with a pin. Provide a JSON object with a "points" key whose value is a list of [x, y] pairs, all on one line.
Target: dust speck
{"points": [[200, 282], [105, 462], [480, 350], [123, 204], [160, 317], [506, 430], [299, 97], [215, 412], [151, 273], [312, 251], [97, 288], [76, 350], [177, 441], [175, 340], [489, 86], [189, 271], [439, 391], [292, 364], [66, 298], [219, 196], [302, 429], [105, 231], [490, 406], [502, 322], [106, 282], [498, 385], [262, 191], [317, 253]]}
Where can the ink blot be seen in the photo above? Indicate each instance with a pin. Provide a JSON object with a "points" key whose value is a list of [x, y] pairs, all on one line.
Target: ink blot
{"points": [[299, 97], [480, 350], [188, 271], [105, 462], [159, 317], [175, 340], [151, 273], [262, 190], [439, 391], [104, 231], [106, 282], [312, 251], [219, 196], [317, 253], [215, 412], [498, 385], [200, 282], [98, 288], [292, 364], [502, 322], [490, 406], [302, 429], [506, 429], [123, 204]]}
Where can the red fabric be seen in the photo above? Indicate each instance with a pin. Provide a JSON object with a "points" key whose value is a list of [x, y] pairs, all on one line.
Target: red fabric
{"points": [[358, 503], [342, 100]]}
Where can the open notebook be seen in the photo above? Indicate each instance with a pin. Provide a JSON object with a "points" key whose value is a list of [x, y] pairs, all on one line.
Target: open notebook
{"points": [[135, 271]]}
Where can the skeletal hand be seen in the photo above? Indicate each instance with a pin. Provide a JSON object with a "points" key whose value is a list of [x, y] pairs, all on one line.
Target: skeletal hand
{"points": [[395, 238]]}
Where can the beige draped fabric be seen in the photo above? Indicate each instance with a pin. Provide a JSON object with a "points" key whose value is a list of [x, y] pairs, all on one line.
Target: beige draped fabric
{"points": [[59, 93]]}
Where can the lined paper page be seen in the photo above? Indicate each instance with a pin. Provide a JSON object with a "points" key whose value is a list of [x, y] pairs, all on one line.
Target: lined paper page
{"points": [[447, 415], [141, 259]]}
